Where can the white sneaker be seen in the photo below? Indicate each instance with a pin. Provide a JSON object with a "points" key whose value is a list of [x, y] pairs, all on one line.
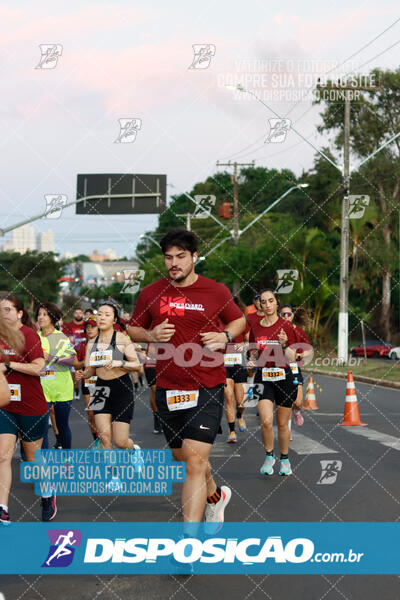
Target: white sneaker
{"points": [[214, 514]]}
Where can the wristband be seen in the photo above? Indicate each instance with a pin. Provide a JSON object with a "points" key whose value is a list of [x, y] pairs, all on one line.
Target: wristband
{"points": [[8, 368], [228, 335]]}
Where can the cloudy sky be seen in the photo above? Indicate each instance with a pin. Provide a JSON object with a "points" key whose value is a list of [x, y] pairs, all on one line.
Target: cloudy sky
{"points": [[129, 59]]}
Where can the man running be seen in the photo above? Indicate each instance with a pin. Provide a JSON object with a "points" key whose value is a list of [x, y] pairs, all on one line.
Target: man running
{"points": [[197, 316], [75, 330]]}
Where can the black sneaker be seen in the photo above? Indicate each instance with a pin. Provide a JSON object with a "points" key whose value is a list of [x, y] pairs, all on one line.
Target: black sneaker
{"points": [[157, 424], [4, 517], [49, 508]]}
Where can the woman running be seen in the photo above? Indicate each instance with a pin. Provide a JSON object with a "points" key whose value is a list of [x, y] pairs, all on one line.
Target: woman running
{"points": [[13, 339], [298, 317], [26, 414], [111, 356], [56, 380], [88, 385], [273, 337], [236, 376]]}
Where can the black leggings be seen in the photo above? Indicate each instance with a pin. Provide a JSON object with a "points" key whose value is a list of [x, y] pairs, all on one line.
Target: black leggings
{"points": [[61, 412]]}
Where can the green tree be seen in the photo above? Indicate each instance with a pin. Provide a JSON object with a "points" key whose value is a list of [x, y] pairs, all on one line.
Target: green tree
{"points": [[32, 276], [375, 118]]}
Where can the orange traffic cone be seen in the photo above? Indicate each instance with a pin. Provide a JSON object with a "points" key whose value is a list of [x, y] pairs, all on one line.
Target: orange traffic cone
{"points": [[310, 402], [351, 413]]}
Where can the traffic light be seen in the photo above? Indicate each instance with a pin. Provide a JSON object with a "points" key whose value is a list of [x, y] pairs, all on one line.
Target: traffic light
{"points": [[225, 210]]}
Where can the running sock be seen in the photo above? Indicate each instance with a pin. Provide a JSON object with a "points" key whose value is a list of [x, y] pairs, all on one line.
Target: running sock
{"points": [[284, 456], [136, 386], [94, 435], [232, 426], [215, 497], [239, 413], [4, 507], [270, 453]]}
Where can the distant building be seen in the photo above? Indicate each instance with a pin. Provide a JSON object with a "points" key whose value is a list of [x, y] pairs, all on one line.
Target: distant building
{"points": [[45, 241], [108, 254], [22, 239]]}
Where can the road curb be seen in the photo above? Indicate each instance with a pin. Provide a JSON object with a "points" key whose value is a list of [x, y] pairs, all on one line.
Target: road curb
{"points": [[361, 378]]}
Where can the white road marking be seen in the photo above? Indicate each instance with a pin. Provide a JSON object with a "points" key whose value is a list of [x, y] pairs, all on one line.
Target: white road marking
{"points": [[376, 436], [317, 412], [302, 444]]}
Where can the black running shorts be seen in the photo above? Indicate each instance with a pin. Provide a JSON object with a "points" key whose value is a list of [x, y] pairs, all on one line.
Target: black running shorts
{"points": [[200, 423], [150, 374], [114, 397], [237, 373], [283, 393]]}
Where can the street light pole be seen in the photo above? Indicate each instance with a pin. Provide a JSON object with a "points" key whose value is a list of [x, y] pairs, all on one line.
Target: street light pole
{"points": [[343, 325], [270, 207], [148, 237]]}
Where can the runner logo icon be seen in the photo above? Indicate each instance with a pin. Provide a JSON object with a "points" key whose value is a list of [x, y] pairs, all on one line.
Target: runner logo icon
{"points": [[62, 547]]}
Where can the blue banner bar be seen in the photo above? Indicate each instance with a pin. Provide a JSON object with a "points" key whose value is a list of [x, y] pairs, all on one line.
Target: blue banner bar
{"points": [[156, 548]]}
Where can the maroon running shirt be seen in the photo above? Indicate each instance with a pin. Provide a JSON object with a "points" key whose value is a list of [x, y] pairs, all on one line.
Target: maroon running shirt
{"points": [[75, 332], [253, 318], [301, 337], [198, 308], [32, 401], [269, 336]]}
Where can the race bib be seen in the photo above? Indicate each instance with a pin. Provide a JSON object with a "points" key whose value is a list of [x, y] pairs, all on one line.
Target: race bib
{"points": [[233, 359], [91, 384], [98, 400], [273, 374], [99, 359], [181, 400], [48, 374], [294, 368], [15, 390]]}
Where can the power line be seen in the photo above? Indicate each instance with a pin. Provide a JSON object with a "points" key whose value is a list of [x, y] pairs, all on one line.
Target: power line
{"points": [[377, 56], [327, 73]]}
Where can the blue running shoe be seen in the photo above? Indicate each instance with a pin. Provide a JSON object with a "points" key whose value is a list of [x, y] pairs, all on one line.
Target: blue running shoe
{"points": [[96, 444], [268, 466], [285, 469]]}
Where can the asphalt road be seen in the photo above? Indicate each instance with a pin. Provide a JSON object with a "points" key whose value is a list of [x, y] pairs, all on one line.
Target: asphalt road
{"points": [[367, 488]]}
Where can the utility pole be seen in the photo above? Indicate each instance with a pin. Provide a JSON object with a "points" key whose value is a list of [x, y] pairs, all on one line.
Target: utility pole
{"points": [[343, 324], [236, 233]]}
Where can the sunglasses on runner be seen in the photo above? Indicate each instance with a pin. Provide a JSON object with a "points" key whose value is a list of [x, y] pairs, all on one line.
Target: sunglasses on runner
{"points": [[286, 314]]}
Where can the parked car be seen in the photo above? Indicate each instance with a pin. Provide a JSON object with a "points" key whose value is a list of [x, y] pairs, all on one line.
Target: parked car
{"points": [[373, 348], [394, 354]]}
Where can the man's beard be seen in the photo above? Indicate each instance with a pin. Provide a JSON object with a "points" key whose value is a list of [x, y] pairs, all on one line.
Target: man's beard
{"points": [[180, 277], [78, 319]]}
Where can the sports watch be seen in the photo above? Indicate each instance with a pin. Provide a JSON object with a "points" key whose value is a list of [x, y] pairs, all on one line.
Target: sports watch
{"points": [[228, 335]]}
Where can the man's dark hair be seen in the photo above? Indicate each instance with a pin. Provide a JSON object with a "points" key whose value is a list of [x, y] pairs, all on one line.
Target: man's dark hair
{"points": [[181, 238]]}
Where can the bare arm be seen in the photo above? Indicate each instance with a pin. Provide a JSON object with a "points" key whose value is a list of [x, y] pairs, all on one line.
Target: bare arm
{"points": [[88, 370], [161, 333], [5, 394], [132, 363], [33, 368], [217, 340]]}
